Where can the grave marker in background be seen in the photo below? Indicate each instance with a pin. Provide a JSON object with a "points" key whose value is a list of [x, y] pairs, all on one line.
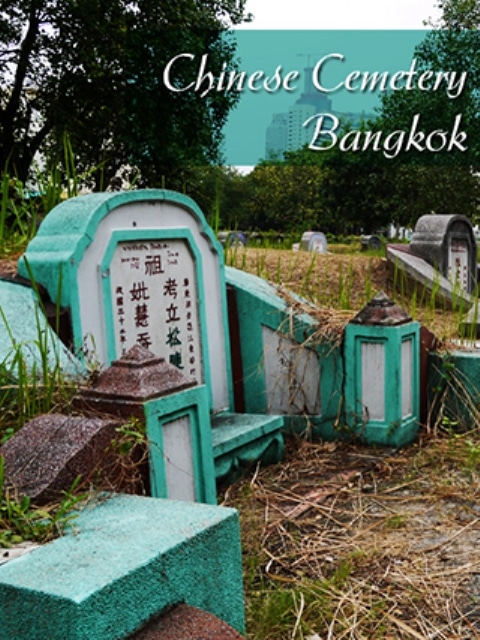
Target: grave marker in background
{"points": [[314, 241], [447, 242], [442, 257]]}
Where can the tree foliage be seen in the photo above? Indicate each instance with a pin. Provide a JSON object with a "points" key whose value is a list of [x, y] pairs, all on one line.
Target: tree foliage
{"points": [[459, 14], [447, 181], [94, 71]]}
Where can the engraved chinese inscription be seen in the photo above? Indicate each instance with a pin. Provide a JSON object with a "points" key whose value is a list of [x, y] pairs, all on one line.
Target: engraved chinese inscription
{"points": [[154, 301]]}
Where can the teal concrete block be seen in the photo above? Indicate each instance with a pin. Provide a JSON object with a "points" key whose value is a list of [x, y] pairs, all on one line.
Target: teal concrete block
{"points": [[124, 561], [454, 388], [241, 439], [382, 382], [24, 326], [187, 469], [261, 310]]}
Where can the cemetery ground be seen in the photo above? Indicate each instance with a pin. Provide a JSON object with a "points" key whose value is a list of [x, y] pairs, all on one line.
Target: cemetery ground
{"points": [[346, 541], [341, 540]]}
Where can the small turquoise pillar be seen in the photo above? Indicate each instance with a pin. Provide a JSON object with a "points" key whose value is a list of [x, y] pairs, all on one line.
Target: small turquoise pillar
{"points": [[382, 373]]}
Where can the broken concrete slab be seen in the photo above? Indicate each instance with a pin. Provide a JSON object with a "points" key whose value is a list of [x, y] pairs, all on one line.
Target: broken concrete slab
{"points": [[44, 458], [125, 560], [417, 272], [23, 326]]}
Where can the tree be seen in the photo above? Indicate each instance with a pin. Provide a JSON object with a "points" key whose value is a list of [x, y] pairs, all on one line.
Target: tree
{"points": [[459, 14], [94, 71], [284, 197], [445, 181]]}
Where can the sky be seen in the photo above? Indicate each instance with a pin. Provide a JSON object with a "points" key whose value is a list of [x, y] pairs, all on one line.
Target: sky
{"points": [[341, 14]]}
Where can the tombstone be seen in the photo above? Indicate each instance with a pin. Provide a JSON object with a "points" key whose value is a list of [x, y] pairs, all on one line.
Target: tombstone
{"points": [[139, 267], [447, 242], [233, 238], [143, 268], [314, 241], [371, 242]]}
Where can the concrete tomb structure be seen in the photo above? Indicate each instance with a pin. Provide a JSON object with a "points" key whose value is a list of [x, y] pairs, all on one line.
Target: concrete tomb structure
{"points": [[447, 242], [175, 412], [217, 363], [143, 268], [441, 257], [314, 241], [382, 345]]}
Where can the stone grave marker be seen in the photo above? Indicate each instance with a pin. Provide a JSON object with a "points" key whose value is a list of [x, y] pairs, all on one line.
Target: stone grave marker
{"points": [[442, 257], [144, 269], [139, 267], [448, 243], [314, 241]]}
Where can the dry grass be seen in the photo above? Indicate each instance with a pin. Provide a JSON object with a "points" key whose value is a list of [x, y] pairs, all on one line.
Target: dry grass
{"points": [[354, 542], [340, 284], [346, 541]]}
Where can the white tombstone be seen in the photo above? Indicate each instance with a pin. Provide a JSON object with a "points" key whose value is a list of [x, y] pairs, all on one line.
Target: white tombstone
{"points": [[139, 267]]}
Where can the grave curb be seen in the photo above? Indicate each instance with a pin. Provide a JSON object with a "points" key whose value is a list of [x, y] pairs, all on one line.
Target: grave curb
{"points": [[124, 561]]}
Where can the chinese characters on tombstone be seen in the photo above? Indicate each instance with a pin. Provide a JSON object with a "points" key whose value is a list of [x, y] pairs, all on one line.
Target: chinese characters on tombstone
{"points": [[154, 302], [458, 262]]}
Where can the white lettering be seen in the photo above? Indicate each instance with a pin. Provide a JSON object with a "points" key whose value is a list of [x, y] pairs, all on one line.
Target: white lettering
{"points": [[317, 71], [424, 77], [325, 137], [415, 137], [429, 142], [457, 138], [256, 75], [354, 145], [392, 150], [290, 77], [166, 73], [320, 132]]}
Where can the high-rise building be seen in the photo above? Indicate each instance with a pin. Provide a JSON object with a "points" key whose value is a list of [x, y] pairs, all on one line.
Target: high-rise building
{"points": [[287, 132]]}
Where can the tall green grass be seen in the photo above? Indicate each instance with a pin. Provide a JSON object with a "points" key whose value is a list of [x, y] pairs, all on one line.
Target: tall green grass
{"points": [[23, 206], [32, 381]]}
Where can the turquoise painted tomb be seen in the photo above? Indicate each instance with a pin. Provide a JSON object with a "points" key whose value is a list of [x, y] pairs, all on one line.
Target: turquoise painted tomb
{"points": [[125, 560], [144, 268]]}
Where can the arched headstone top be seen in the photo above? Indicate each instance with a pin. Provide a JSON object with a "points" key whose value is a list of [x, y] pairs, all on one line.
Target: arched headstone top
{"points": [[134, 267], [440, 224], [70, 227], [314, 241], [447, 242]]}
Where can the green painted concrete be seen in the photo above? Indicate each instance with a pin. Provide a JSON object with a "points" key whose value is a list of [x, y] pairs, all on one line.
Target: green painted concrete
{"points": [[23, 325], [62, 238], [259, 305], [55, 253], [454, 377], [241, 439], [193, 404], [124, 561], [395, 429]]}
